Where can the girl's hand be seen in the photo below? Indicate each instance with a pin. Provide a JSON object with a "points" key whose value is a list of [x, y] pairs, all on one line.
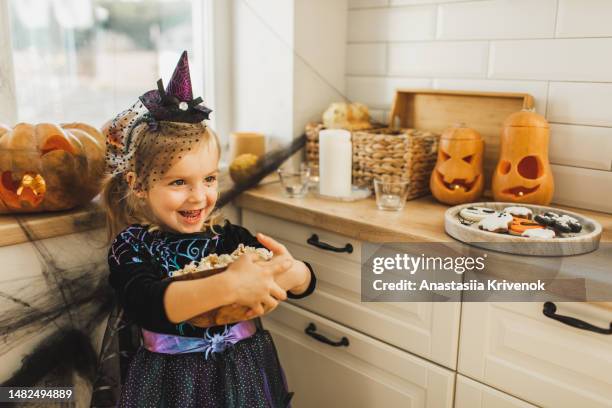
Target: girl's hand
{"points": [[254, 283], [297, 277]]}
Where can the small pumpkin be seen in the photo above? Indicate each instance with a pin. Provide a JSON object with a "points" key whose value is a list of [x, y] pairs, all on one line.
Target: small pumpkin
{"points": [[47, 167], [457, 177], [523, 173], [349, 116]]}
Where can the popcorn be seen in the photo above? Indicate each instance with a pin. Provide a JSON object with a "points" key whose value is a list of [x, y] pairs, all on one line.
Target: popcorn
{"points": [[214, 261]]}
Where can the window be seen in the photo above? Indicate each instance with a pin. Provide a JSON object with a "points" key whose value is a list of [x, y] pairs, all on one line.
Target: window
{"points": [[86, 60]]}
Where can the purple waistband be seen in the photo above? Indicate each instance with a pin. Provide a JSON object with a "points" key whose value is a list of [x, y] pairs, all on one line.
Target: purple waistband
{"points": [[210, 343]]}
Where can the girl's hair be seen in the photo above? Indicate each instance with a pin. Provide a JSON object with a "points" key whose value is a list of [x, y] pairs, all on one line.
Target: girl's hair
{"points": [[150, 157]]}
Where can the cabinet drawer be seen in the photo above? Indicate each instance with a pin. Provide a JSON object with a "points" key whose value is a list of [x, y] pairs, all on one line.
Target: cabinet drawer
{"points": [[429, 330], [366, 373], [299, 234], [472, 394], [515, 348]]}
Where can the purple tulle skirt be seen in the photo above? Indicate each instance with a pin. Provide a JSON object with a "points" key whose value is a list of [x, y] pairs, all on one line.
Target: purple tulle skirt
{"points": [[246, 374]]}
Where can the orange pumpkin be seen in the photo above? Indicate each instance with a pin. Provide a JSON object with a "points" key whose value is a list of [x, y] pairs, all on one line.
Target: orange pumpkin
{"points": [[523, 173], [457, 177], [46, 167]]}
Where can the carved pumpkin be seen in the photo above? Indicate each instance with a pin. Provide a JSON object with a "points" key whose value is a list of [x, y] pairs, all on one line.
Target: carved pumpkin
{"points": [[523, 173], [457, 177], [47, 167]]}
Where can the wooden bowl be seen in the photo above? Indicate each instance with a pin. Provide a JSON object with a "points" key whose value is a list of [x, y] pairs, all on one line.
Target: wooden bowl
{"points": [[587, 240]]}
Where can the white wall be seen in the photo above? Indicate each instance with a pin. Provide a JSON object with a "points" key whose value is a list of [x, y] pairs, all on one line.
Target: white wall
{"points": [[559, 51]]}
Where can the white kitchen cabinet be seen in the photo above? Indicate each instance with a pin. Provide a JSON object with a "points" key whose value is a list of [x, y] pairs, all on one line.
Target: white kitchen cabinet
{"points": [[366, 373], [472, 394], [515, 348], [427, 329]]}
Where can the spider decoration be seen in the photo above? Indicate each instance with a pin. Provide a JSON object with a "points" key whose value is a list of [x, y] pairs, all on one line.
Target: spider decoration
{"points": [[218, 342]]}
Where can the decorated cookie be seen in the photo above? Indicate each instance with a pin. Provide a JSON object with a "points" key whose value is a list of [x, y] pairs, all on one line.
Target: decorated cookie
{"points": [[542, 233], [474, 214], [520, 212], [496, 222], [561, 223], [520, 225]]}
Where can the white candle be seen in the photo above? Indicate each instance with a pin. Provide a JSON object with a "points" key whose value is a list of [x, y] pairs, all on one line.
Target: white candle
{"points": [[335, 162]]}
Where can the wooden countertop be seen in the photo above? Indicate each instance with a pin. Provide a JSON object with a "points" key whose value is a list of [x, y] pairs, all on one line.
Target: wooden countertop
{"points": [[422, 220], [19, 228]]}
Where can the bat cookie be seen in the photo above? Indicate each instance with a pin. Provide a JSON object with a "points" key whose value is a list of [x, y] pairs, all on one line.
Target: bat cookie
{"points": [[561, 223]]}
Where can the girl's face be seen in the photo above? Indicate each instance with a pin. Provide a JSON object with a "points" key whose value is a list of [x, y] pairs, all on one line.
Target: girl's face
{"points": [[186, 195]]}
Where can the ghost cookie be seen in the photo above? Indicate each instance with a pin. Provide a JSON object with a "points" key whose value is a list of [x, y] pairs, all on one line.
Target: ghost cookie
{"points": [[496, 222], [474, 214], [561, 223], [520, 225], [520, 212], [542, 233]]}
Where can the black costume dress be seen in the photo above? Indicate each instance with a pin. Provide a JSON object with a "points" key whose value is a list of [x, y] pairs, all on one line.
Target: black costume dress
{"points": [[247, 374]]}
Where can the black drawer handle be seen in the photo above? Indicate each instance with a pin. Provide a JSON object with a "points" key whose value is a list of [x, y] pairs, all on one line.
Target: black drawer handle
{"points": [[550, 310], [314, 241], [311, 330]]}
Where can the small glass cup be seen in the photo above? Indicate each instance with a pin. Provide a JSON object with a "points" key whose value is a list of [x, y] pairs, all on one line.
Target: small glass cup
{"points": [[391, 195], [313, 174], [294, 183]]}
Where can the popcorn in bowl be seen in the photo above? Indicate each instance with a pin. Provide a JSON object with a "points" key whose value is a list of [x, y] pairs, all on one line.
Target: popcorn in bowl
{"points": [[214, 261]]}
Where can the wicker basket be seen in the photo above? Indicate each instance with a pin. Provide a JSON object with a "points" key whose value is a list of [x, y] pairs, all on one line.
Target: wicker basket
{"points": [[387, 154]]}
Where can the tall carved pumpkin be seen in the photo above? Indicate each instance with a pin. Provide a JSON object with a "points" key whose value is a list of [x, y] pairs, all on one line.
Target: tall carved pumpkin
{"points": [[457, 177], [46, 167], [523, 173]]}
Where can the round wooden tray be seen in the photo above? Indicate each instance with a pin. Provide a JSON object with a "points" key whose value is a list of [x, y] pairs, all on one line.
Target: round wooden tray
{"points": [[585, 241]]}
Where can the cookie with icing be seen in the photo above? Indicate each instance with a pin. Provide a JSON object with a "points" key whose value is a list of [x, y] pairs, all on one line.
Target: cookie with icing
{"points": [[520, 225], [474, 214], [562, 223], [520, 212], [496, 223], [543, 233]]}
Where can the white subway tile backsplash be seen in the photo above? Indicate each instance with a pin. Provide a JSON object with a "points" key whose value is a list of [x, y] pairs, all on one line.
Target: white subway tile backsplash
{"points": [[581, 146], [556, 59], [378, 93], [366, 59], [368, 25], [353, 4], [497, 19], [580, 103], [584, 18], [554, 50], [466, 59], [582, 188], [537, 89], [412, 23], [400, 24]]}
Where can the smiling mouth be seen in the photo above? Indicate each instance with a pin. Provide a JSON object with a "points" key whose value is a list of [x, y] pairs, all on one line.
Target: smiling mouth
{"points": [[520, 191], [191, 216], [457, 184]]}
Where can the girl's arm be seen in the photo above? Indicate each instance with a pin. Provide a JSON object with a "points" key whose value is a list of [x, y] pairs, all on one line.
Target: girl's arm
{"points": [[245, 283]]}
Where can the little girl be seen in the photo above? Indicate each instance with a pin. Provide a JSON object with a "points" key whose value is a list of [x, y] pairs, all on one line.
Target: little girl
{"points": [[160, 199]]}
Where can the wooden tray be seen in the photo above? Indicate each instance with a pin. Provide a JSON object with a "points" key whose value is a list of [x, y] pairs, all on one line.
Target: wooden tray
{"points": [[585, 241], [436, 110]]}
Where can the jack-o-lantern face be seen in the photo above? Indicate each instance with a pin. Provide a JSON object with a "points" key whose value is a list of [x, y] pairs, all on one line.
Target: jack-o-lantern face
{"points": [[47, 167], [523, 173], [457, 177]]}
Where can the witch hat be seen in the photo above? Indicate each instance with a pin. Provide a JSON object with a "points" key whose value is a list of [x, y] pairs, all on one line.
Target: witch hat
{"points": [[176, 103]]}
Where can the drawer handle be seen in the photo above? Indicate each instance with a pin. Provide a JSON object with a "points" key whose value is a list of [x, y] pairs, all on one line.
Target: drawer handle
{"points": [[314, 241], [311, 330], [550, 310]]}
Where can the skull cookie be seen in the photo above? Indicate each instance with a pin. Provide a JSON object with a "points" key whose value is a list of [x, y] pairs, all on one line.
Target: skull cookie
{"points": [[474, 214]]}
